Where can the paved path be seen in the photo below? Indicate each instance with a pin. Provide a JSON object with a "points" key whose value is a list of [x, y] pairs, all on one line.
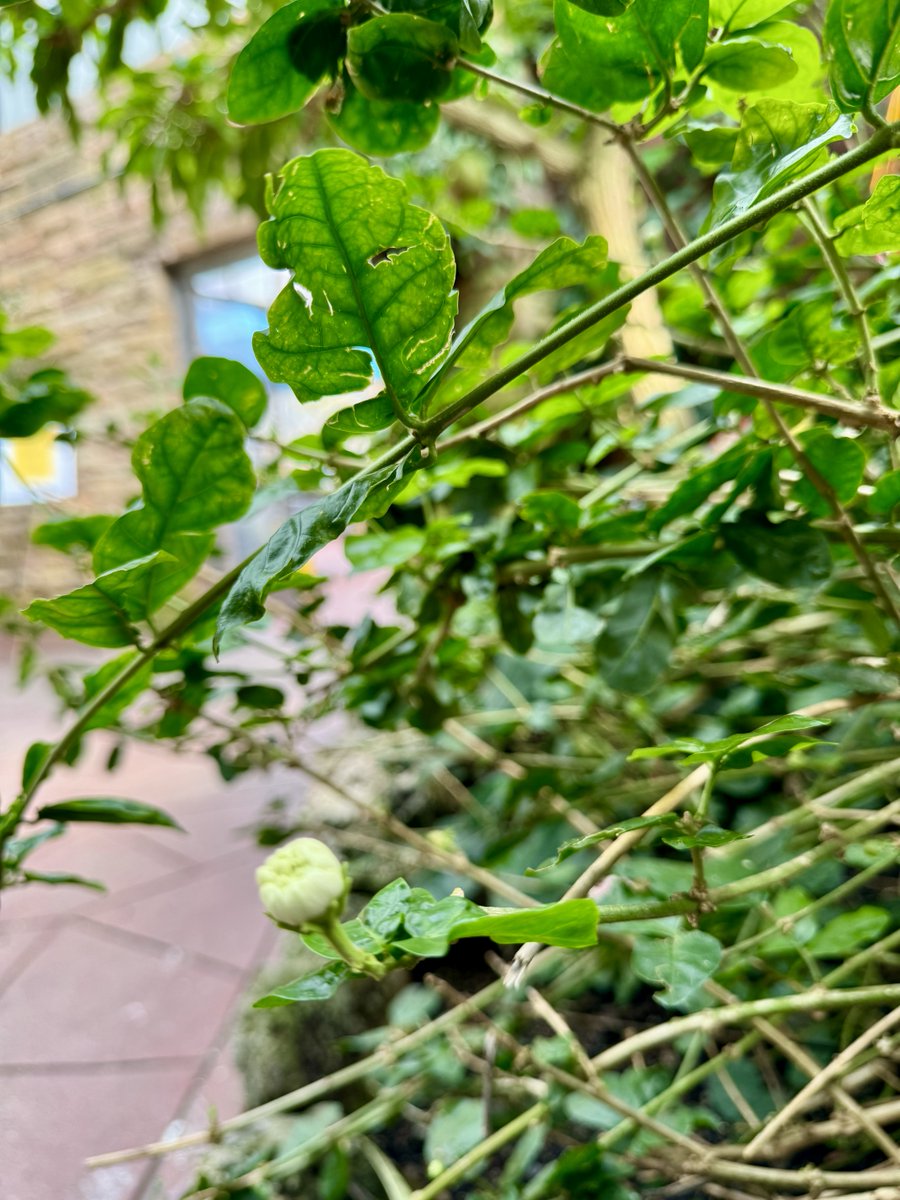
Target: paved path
{"points": [[115, 1008]]}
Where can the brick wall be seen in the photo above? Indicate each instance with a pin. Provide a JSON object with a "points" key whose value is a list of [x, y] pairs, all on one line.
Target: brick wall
{"points": [[79, 255]]}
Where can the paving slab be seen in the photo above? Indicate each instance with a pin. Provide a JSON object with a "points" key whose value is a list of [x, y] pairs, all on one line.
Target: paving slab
{"points": [[48, 1122]]}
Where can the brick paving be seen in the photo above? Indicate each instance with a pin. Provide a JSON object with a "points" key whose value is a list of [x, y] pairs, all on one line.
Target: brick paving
{"points": [[116, 1007]]}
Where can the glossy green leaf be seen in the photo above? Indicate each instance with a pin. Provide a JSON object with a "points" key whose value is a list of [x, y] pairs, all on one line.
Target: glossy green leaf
{"points": [[383, 127], [195, 475], [873, 227], [778, 141], [372, 280], [603, 8], [402, 57], [681, 963], [742, 14], [109, 810], [466, 19], [384, 912], [367, 417], [702, 752], [790, 553], [283, 63], [34, 759], [849, 932], [571, 923], [103, 613], [45, 398], [299, 538], [230, 382], [599, 61], [384, 548], [16, 850], [563, 264], [811, 333], [574, 845], [72, 532], [633, 650], [746, 64], [862, 45], [318, 985]]}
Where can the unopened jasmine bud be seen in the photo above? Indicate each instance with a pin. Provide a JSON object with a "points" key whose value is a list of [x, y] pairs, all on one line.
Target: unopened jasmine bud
{"points": [[302, 883]]}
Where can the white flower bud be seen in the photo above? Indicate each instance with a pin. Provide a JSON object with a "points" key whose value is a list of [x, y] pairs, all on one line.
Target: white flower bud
{"points": [[300, 882]]}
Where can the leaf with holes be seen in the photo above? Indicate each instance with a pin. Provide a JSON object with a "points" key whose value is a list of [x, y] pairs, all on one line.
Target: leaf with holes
{"points": [[372, 282]]}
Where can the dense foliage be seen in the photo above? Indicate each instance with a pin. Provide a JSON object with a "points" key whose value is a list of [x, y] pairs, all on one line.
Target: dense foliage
{"points": [[641, 550]]}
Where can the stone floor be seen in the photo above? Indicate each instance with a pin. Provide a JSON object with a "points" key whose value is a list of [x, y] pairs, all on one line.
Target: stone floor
{"points": [[116, 1007]]}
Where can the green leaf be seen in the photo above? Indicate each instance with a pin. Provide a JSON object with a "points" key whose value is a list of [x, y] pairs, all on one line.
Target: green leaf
{"points": [[384, 912], [563, 264], [71, 532], [230, 382], [571, 923], [701, 752], [603, 8], [809, 334], [34, 759], [552, 512], [383, 127], [16, 850], [62, 877], [454, 1128], [873, 227], [319, 985], [373, 279], [748, 65], [402, 57], [778, 141], [109, 810], [707, 837], [367, 417], [567, 849], [790, 553], [300, 537], [742, 14], [283, 63], [633, 650], [681, 963], [841, 461], [45, 398], [887, 493], [846, 934], [195, 475], [699, 485], [599, 61], [862, 46], [466, 19], [103, 613], [381, 548]]}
